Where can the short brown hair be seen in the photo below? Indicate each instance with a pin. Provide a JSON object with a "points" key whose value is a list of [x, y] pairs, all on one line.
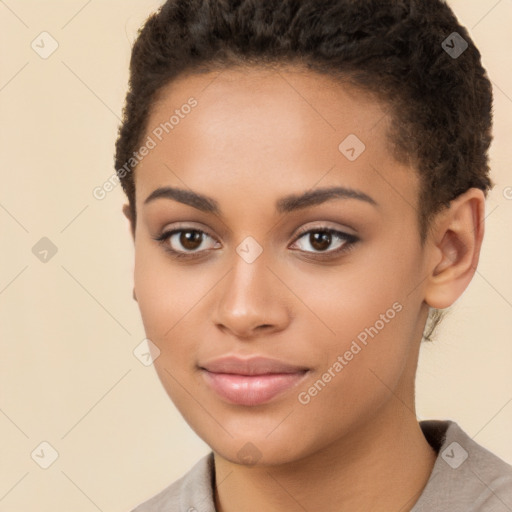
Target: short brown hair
{"points": [[396, 50]]}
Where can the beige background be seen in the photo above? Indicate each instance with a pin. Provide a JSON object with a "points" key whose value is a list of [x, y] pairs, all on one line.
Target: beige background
{"points": [[68, 375]]}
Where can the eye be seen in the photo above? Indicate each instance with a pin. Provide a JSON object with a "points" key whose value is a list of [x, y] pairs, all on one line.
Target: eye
{"points": [[182, 242], [320, 239], [189, 242]]}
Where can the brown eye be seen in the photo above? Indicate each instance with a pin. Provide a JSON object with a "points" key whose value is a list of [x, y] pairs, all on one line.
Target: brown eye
{"points": [[185, 242], [190, 240], [321, 240]]}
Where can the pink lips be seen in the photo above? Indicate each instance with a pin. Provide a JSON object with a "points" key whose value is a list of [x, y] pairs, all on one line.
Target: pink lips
{"points": [[250, 381]]}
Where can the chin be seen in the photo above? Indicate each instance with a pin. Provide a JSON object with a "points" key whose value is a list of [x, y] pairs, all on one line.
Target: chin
{"points": [[255, 453]]}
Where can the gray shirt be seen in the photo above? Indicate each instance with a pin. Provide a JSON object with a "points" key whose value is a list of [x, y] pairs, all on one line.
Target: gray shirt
{"points": [[465, 478]]}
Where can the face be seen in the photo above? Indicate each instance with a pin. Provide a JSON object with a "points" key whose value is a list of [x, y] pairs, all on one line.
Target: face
{"points": [[286, 301]]}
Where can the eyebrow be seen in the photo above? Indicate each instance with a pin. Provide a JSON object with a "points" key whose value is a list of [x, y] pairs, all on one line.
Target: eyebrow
{"points": [[285, 204]]}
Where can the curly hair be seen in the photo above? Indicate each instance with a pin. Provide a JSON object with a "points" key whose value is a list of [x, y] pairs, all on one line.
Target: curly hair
{"points": [[440, 104]]}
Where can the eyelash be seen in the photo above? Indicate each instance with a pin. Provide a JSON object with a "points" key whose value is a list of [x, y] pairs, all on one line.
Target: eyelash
{"points": [[350, 241]]}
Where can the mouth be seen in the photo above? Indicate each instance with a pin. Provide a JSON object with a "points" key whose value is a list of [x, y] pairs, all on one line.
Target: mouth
{"points": [[251, 389], [252, 381]]}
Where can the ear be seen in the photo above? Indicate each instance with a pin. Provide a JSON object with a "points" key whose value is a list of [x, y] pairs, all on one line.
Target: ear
{"points": [[128, 215], [456, 241]]}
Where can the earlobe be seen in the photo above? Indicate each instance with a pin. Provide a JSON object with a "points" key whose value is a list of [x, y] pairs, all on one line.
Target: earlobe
{"points": [[457, 240], [128, 214], [126, 211]]}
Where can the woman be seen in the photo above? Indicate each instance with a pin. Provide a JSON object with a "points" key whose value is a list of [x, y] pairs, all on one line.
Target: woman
{"points": [[306, 185]]}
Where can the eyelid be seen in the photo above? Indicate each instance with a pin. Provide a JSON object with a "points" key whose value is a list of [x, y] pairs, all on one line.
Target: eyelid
{"points": [[326, 225], [188, 226]]}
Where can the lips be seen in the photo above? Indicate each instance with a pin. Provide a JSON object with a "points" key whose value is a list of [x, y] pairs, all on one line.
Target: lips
{"points": [[251, 381]]}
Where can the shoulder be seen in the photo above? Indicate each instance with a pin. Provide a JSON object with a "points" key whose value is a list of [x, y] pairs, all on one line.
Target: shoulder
{"points": [[466, 476], [194, 488]]}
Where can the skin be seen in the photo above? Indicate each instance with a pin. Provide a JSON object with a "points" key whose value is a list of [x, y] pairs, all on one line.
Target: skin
{"points": [[254, 137]]}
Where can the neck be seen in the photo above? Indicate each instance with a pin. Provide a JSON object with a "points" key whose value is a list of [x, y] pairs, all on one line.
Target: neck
{"points": [[382, 466]]}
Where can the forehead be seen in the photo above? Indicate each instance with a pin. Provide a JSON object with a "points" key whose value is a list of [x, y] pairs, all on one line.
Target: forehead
{"points": [[266, 129]]}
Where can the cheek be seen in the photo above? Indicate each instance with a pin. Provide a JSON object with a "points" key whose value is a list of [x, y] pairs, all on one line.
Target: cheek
{"points": [[165, 291], [365, 367], [169, 297], [371, 318], [166, 299], [352, 297], [369, 335]]}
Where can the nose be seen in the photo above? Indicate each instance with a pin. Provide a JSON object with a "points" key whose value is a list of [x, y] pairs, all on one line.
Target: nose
{"points": [[252, 301]]}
